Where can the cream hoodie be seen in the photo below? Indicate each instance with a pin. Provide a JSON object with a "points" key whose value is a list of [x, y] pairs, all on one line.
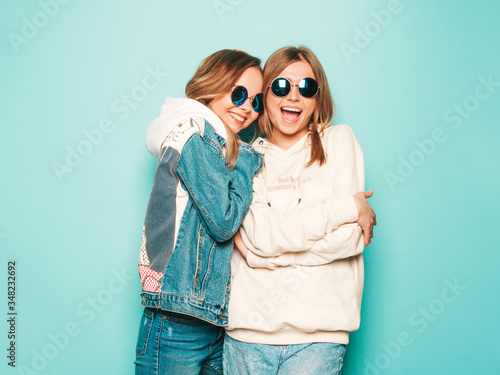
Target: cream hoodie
{"points": [[173, 112], [303, 278]]}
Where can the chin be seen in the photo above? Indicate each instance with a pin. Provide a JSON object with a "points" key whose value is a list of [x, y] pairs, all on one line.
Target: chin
{"points": [[236, 128]]}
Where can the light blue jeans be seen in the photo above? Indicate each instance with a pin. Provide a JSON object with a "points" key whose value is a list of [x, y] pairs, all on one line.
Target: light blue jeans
{"points": [[171, 343], [241, 358]]}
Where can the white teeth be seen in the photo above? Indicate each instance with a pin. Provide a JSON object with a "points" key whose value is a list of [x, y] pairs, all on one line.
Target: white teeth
{"points": [[239, 118], [291, 109]]}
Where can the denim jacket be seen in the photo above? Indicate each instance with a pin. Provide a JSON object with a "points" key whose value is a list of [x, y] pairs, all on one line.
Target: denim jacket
{"points": [[196, 206]]}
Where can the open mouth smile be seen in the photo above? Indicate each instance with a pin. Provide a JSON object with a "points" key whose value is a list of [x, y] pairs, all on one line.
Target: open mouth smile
{"points": [[291, 113], [237, 117]]}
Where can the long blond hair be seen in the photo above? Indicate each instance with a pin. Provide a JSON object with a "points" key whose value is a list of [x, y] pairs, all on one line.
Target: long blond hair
{"points": [[216, 76], [324, 110]]}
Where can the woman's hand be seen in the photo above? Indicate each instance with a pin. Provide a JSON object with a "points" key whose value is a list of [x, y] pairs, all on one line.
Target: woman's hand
{"points": [[240, 245], [366, 216]]}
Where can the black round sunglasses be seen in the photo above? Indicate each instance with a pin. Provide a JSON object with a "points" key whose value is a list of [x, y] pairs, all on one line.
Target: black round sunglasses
{"points": [[240, 94], [281, 87]]}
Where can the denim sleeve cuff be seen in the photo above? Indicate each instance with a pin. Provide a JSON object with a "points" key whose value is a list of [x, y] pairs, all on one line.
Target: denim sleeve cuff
{"points": [[250, 158]]}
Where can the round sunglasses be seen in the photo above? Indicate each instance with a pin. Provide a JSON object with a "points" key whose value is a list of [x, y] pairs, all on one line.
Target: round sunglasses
{"points": [[281, 87], [239, 95]]}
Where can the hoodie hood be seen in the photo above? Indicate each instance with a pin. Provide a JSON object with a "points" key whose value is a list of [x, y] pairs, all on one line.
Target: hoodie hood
{"points": [[172, 113]]}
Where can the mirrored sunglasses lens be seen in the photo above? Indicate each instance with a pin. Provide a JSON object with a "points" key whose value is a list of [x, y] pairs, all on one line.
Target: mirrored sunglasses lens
{"points": [[308, 87], [239, 95], [257, 103], [280, 87]]}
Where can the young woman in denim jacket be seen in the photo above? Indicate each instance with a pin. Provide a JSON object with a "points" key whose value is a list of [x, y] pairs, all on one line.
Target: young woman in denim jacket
{"points": [[298, 294], [201, 191]]}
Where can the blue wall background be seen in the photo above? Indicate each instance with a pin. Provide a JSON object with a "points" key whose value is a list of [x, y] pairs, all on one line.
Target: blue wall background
{"points": [[418, 81]]}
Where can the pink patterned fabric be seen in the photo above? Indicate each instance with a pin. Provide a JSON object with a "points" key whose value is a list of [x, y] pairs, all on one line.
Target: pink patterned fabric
{"points": [[150, 279]]}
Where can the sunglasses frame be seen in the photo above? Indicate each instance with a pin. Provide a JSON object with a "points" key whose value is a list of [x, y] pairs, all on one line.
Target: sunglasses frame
{"points": [[246, 97], [291, 86]]}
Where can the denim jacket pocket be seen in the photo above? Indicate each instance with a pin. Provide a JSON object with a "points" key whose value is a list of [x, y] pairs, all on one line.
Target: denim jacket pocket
{"points": [[181, 318]]}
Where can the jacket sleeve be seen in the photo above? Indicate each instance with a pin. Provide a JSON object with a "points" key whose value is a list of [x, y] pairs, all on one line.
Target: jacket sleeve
{"points": [[221, 196], [345, 161]]}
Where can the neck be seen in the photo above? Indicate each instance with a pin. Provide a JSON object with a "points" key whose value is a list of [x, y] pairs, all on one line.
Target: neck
{"points": [[287, 141]]}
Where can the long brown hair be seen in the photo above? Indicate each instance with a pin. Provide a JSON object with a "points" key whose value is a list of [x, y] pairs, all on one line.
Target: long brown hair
{"points": [[216, 76], [324, 110]]}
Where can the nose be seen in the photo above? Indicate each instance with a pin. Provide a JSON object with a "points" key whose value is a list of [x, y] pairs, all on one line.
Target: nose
{"points": [[247, 105], [294, 93]]}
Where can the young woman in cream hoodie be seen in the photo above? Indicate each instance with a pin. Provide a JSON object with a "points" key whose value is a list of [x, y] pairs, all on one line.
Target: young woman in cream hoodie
{"points": [[298, 295]]}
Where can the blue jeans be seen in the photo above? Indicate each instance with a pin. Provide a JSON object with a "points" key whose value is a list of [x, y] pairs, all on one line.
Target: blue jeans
{"points": [[259, 359], [171, 343]]}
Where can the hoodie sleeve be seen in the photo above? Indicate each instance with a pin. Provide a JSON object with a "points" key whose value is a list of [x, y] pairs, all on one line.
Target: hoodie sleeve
{"points": [[342, 243], [309, 245]]}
